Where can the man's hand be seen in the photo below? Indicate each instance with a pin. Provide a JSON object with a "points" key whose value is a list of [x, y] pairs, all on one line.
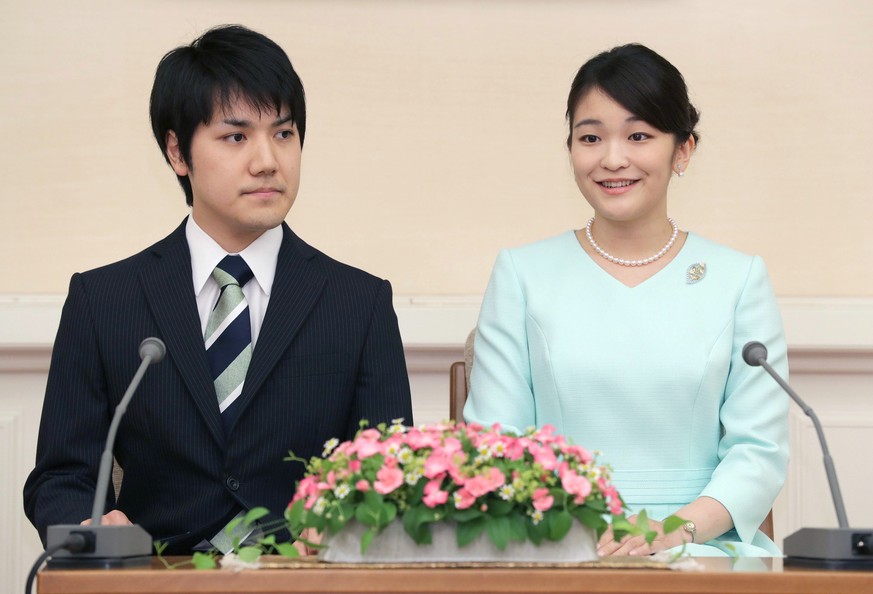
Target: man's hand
{"points": [[113, 518], [311, 536]]}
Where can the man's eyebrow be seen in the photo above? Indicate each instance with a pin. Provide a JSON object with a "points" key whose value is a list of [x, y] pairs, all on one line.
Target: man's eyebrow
{"points": [[237, 123]]}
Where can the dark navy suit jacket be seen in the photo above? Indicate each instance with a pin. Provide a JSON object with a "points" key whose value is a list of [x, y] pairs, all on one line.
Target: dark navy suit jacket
{"points": [[329, 354]]}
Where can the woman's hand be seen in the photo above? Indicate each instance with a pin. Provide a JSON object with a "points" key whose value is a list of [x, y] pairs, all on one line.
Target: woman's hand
{"points": [[637, 545]]}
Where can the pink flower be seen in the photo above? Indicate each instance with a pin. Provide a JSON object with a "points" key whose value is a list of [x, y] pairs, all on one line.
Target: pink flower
{"points": [[417, 439], [463, 498], [367, 444], [576, 485], [482, 484], [437, 463], [362, 486], [544, 456], [354, 466], [542, 501], [388, 479], [579, 452], [433, 495]]}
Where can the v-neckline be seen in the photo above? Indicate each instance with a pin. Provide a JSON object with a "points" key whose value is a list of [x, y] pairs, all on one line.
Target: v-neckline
{"points": [[590, 259]]}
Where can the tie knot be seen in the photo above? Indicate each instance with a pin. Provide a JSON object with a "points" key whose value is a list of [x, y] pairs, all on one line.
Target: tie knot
{"points": [[232, 270]]}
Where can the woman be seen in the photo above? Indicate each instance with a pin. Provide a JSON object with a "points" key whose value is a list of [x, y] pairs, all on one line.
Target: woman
{"points": [[627, 335]]}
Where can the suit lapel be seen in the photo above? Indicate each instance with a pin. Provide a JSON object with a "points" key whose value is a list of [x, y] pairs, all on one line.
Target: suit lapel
{"points": [[169, 292], [297, 284]]}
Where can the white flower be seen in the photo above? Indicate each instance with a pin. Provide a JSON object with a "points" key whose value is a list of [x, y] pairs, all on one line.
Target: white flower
{"points": [[393, 449], [499, 449], [506, 492], [341, 491], [412, 477], [481, 459], [484, 450], [535, 515], [320, 505], [329, 446], [404, 456], [396, 427]]}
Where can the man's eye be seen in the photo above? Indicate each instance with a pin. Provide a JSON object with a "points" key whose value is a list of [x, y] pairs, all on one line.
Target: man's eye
{"points": [[285, 134], [238, 137]]}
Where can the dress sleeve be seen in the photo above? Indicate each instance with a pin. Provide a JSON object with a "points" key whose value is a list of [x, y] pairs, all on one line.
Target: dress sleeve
{"points": [[500, 381], [753, 450]]}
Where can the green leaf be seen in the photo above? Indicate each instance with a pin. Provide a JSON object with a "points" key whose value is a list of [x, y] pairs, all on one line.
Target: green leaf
{"points": [[672, 523], [373, 499], [469, 531], [517, 528], [366, 539], [286, 549], [499, 507], [367, 515], [389, 512], [294, 514], [255, 514], [498, 530], [559, 524], [232, 525], [249, 554], [465, 515], [536, 532], [204, 561], [589, 518]]}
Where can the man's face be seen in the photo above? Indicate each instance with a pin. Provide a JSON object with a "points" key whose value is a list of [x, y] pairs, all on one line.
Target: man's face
{"points": [[244, 172]]}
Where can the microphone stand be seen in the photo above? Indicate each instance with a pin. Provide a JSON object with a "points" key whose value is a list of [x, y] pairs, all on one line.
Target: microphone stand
{"points": [[107, 546], [828, 548]]}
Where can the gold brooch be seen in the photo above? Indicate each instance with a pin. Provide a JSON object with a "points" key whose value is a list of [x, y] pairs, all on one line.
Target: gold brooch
{"points": [[695, 273]]}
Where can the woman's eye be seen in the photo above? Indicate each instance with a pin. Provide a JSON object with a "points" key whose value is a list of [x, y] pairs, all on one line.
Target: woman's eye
{"points": [[588, 138], [639, 136]]}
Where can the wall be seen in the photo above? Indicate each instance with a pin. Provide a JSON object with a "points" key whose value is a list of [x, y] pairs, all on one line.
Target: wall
{"points": [[438, 125]]}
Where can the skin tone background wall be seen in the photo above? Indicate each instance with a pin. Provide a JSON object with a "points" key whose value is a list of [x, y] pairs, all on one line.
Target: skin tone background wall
{"points": [[436, 130]]}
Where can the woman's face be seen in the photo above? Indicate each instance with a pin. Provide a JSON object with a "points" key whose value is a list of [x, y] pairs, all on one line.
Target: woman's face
{"points": [[622, 164]]}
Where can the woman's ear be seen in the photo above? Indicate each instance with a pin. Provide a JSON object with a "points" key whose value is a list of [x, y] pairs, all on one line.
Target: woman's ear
{"points": [[683, 155], [174, 155]]}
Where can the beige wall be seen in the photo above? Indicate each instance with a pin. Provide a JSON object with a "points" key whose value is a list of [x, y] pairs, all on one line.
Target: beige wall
{"points": [[436, 130]]}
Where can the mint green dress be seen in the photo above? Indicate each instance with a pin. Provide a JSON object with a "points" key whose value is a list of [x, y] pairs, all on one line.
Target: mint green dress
{"points": [[652, 376]]}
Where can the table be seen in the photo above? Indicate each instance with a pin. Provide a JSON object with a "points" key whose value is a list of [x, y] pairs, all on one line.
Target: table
{"points": [[719, 576]]}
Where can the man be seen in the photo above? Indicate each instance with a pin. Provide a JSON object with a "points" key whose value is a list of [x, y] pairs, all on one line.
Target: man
{"points": [[271, 345]]}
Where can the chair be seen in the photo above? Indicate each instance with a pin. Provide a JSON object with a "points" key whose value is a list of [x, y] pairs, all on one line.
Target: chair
{"points": [[459, 386]]}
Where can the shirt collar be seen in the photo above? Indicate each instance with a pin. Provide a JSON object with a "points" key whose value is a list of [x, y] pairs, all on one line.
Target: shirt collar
{"points": [[261, 255]]}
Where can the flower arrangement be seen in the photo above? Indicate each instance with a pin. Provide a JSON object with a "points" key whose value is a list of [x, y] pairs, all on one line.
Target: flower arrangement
{"points": [[513, 488]]}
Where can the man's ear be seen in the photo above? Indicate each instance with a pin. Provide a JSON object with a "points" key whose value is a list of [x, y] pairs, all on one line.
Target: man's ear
{"points": [[174, 154]]}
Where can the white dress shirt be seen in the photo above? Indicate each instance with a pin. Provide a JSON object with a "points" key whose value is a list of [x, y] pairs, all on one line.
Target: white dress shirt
{"points": [[261, 255]]}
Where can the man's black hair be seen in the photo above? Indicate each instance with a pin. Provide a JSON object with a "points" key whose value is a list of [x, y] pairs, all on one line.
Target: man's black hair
{"points": [[227, 63]]}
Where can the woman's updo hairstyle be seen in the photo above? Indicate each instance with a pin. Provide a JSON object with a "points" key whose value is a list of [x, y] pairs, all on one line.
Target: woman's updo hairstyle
{"points": [[642, 82]]}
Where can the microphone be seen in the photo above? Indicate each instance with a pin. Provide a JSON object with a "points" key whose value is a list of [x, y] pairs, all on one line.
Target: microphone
{"points": [[829, 548], [108, 546]]}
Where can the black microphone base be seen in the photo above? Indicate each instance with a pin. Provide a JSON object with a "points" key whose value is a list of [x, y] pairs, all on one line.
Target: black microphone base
{"points": [[830, 548], [107, 547]]}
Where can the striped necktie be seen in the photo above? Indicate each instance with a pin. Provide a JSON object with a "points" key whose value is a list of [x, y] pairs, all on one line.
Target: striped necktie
{"points": [[228, 333]]}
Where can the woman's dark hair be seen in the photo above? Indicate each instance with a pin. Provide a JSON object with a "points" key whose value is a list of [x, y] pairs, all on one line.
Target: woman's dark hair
{"points": [[642, 82], [219, 67]]}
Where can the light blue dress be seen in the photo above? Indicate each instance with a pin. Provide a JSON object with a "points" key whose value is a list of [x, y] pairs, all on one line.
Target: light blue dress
{"points": [[652, 376]]}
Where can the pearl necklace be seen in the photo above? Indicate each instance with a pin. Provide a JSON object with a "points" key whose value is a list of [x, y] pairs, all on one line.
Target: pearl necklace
{"points": [[623, 262]]}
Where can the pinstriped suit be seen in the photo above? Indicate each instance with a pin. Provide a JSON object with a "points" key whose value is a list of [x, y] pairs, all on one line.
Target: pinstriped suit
{"points": [[329, 354]]}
